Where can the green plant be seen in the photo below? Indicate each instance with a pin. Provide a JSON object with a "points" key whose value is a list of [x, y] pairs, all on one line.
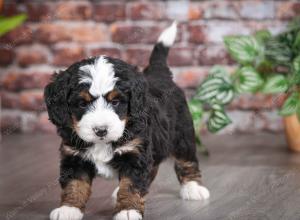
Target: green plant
{"points": [[9, 23], [266, 64]]}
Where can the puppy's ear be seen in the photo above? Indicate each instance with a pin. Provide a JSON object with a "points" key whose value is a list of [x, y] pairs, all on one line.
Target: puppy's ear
{"points": [[55, 95], [138, 97]]}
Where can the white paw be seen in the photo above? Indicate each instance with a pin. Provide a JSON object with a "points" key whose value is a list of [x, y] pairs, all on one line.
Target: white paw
{"points": [[130, 214], [193, 191], [66, 213], [114, 195]]}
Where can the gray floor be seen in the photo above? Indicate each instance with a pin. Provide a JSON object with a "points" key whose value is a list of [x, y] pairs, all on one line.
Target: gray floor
{"points": [[249, 176]]}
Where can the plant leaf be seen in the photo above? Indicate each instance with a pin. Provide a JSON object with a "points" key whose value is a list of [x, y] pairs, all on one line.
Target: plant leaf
{"points": [[9, 23], [218, 119], [244, 49], [217, 87], [263, 35], [294, 24], [290, 105], [296, 64], [209, 88], [219, 71], [296, 44], [196, 111], [275, 84], [247, 80], [278, 52]]}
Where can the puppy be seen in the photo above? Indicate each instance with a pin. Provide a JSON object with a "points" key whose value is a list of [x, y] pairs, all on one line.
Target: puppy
{"points": [[116, 122]]}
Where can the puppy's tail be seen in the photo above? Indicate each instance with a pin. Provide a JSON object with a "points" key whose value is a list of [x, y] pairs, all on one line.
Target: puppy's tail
{"points": [[165, 41]]}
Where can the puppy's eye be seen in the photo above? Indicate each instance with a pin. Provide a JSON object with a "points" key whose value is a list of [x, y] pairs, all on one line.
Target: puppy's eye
{"points": [[83, 104], [115, 102]]}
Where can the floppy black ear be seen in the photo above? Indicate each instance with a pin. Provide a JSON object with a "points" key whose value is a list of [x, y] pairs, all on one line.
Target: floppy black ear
{"points": [[138, 98], [55, 95]]}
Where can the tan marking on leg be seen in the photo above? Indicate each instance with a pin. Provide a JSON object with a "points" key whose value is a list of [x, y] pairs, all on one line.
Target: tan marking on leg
{"points": [[130, 147], [128, 197], [187, 171], [76, 194], [67, 150]]}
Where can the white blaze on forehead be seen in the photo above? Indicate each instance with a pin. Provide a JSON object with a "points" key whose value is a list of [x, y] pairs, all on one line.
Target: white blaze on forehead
{"points": [[100, 75], [100, 113]]}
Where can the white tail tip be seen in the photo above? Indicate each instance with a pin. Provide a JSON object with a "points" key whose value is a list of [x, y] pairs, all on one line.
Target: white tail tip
{"points": [[168, 36]]}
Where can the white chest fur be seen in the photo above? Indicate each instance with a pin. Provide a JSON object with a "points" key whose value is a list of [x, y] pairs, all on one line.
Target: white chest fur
{"points": [[101, 154]]}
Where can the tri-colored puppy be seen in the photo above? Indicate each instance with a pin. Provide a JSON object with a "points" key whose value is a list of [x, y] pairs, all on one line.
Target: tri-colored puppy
{"points": [[116, 122]]}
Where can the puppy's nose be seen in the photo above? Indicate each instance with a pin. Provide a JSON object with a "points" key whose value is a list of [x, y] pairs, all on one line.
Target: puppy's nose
{"points": [[100, 131]]}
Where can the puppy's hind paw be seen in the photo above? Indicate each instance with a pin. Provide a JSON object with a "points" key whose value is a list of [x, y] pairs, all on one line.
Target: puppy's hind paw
{"points": [[193, 191], [66, 213], [130, 214]]}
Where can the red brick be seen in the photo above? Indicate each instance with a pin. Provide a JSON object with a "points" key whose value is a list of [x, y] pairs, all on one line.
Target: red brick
{"points": [[43, 124], [177, 10], [181, 31], [88, 33], [21, 35], [32, 100], [196, 34], [296, 8], [134, 33], [215, 31], [52, 33], [109, 12], [29, 56], [147, 11], [108, 51], [17, 80], [29, 119], [70, 10], [190, 78], [287, 9], [258, 10], [138, 57], [9, 100], [181, 56], [211, 55], [38, 11], [65, 56], [10, 9], [257, 102], [6, 56], [10, 122], [195, 12], [220, 10]]}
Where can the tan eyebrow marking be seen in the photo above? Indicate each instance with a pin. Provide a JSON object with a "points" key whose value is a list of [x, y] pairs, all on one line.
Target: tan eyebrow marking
{"points": [[111, 95], [86, 96]]}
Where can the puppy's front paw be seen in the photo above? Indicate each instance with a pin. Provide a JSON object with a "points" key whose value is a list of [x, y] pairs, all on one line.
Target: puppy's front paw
{"points": [[193, 191], [66, 213], [130, 214]]}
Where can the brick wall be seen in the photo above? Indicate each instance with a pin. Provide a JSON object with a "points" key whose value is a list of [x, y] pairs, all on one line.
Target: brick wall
{"points": [[58, 33]]}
